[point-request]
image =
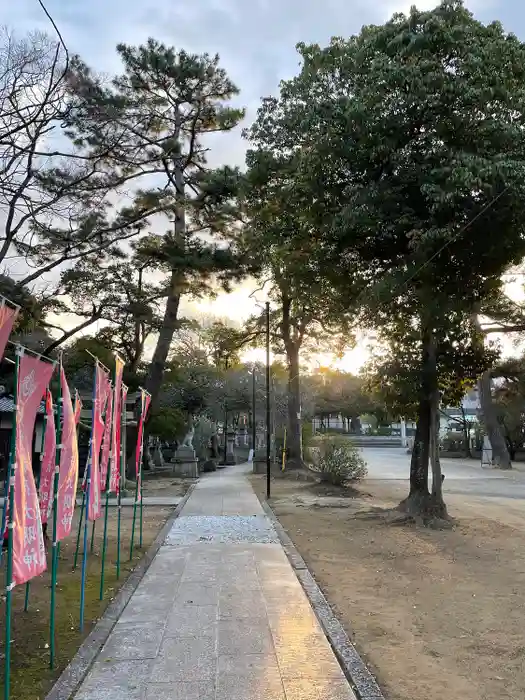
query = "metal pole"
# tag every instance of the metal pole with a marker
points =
(225, 431)
(92, 545)
(86, 511)
(80, 526)
(122, 476)
(268, 415)
(138, 489)
(254, 422)
(54, 548)
(9, 573)
(107, 487)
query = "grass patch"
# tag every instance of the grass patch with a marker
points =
(31, 677)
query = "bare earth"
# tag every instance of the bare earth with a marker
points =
(435, 614)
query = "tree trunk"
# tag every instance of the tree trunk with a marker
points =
(293, 441)
(420, 502)
(489, 417)
(160, 356)
(437, 480)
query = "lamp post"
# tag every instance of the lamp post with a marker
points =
(254, 422)
(268, 413)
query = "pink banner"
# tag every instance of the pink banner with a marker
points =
(101, 382)
(106, 443)
(145, 400)
(47, 469)
(29, 557)
(78, 406)
(7, 319)
(114, 485)
(68, 475)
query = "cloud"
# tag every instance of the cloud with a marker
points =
(256, 40)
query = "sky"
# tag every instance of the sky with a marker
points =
(256, 42)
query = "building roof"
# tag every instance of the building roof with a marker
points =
(7, 404)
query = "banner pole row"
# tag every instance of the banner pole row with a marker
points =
(86, 501)
(54, 548)
(9, 573)
(108, 484)
(122, 457)
(42, 443)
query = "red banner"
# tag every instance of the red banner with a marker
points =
(78, 406)
(29, 557)
(106, 443)
(47, 468)
(68, 475)
(7, 319)
(114, 485)
(97, 430)
(145, 401)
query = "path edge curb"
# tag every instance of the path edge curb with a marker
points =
(363, 682)
(75, 672)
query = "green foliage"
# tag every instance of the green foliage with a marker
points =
(509, 397)
(336, 459)
(394, 370)
(167, 423)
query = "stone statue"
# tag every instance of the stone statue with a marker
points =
(188, 438)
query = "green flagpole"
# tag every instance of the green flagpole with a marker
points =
(122, 476)
(54, 548)
(92, 545)
(9, 572)
(79, 527)
(134, 519)
(44, 426)
(137, 483)
(141, 493)
(106, 511)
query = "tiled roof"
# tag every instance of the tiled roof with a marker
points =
(6, 405)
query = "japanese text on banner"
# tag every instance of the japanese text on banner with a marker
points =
(29, 557)
(68, 475)
(101, 385)
(47, 469)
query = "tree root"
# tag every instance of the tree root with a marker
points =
(395, 516)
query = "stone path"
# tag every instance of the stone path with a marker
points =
(219, 615)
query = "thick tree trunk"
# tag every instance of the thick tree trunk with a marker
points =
(420, 502)
(489, 417)
(166, 333)
(169, 323)
(294, 442)
(158, 362)
(436, 495)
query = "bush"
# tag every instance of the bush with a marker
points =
(337, 460)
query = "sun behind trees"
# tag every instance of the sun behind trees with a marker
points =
(375, 182)
(405, 154)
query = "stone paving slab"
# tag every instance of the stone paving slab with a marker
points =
(220, 614)
(221, 530)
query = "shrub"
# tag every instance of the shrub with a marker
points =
(337, 460)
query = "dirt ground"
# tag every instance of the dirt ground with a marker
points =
(156, 485)
(435, 614)
(31, 677)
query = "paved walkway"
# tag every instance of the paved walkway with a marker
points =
(220, 614)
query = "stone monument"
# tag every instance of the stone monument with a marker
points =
(230, 448)
(158, 457)
(186, 463)
(259, 457)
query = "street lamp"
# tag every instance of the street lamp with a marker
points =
(268, 412)
(254, 406)
(268, 408)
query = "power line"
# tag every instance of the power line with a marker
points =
(453, 239)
